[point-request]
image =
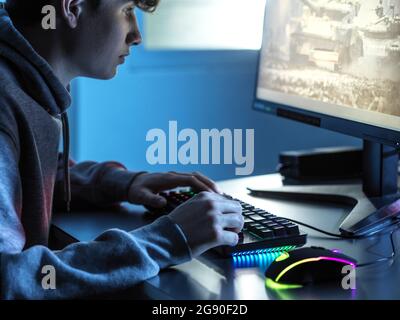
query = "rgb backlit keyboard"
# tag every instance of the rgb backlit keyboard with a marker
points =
(262, 232)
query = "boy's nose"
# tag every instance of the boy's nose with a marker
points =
(134, 36)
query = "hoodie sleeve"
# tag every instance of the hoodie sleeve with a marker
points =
(113, 261)
(93, 184)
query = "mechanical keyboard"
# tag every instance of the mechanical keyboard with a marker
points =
(262, 231)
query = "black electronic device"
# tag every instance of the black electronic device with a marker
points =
(321, 164)
(306, 266)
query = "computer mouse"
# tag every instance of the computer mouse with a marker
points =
(306, 266)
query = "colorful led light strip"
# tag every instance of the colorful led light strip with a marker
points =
(261, 260)
(310, 260)
(260, 251)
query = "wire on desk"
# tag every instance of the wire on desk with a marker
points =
(323, 231)
(358, 237)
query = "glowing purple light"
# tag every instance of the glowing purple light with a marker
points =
(339, 260)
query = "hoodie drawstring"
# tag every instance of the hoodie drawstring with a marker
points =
(67, 179)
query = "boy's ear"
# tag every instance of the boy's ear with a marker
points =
(71, 11)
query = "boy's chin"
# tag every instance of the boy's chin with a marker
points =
(105, 75)
(111, 75)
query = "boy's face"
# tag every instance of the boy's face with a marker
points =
(103, 38)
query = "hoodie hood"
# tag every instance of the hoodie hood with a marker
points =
(41, 83)
(44, 86)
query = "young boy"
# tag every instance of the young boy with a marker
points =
(91, 38)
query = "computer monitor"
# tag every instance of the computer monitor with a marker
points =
(335, 64)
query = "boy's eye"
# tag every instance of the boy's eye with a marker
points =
(129, 10)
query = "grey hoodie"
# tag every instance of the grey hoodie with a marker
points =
(33, 105)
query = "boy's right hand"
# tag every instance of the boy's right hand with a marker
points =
(209, 220)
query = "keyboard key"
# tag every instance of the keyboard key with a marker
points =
(246, 212)
(266, 233)
(252, 225)
(266, 215)
(256, 217)
(293, 229)
(271, 225)
(279, 231)
(259, 232)
(260, 227)
(259, 211)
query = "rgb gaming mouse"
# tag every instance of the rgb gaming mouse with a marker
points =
(304, 266)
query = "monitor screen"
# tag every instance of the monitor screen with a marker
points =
(339, 58)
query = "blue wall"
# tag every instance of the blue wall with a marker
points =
(110, 119)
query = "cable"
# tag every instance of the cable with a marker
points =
(341, 236)
(357, 237)
(323, 231)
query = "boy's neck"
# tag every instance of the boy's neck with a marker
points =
(46, 44)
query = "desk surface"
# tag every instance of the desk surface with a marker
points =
(211, 277)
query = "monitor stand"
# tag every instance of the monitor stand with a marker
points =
(369, 199)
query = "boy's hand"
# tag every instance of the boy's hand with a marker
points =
(145, 187)
(209, 220)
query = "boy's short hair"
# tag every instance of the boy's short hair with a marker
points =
(28, 12)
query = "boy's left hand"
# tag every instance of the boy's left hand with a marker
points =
(145, 187)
